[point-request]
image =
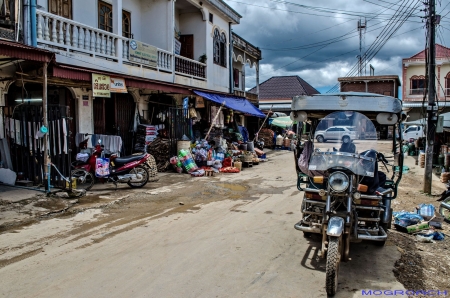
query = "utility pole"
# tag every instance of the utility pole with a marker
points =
(432, 107)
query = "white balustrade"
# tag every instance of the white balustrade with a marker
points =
(57, 32)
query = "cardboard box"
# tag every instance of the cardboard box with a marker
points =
(436, 222)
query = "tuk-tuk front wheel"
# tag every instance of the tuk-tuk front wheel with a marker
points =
(334, 254)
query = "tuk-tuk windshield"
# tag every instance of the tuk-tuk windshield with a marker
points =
(343, 139)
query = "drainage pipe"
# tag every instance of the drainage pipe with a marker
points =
(33, 23)
(26, 22)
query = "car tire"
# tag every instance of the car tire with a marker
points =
(320, 139)
(345, 139)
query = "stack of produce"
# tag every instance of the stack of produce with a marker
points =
(445, 176)
(267, 134)
(160, 149)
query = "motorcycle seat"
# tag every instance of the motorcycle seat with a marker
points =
(127, 159)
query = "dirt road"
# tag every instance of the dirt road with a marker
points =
(225, 236)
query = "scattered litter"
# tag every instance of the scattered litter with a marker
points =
(426, 211)
(425, 238)
(405, 218)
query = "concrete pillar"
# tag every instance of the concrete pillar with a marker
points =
(117, 27)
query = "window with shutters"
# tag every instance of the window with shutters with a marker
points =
(61, 8)
(105, 21)
(220, 49)
(126, 24)
(418, 85)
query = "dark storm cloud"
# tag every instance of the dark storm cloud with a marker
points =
(318, 40)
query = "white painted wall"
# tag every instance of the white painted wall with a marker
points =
(218, 76)
(156, 24)
(134, 7)
(85, 114)
(192, 23)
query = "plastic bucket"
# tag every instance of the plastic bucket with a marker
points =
(243, 146)
(250, 146)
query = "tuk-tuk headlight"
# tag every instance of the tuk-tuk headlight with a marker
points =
(338, 181)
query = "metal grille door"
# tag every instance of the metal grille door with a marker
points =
(180, 125)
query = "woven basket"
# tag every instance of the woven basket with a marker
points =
(183, 145)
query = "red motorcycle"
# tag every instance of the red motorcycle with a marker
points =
(134, 170)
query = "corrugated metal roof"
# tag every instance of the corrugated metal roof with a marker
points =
(83, 74)
(275, 107)
(20, 51)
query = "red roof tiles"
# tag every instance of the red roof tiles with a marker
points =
(441, 52)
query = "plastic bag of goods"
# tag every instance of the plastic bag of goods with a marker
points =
(176, 163)
(405, 219)
(82, 157)
(426, 210)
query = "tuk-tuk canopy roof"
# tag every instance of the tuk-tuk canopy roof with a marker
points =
(369, 104)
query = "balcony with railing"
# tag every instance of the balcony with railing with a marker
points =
(419, 91)
(64, 35)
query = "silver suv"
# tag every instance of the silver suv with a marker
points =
(336, 133)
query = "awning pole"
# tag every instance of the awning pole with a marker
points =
(214, 120)
(267, 116)
(45, 123)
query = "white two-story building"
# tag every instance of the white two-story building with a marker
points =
(155, 52)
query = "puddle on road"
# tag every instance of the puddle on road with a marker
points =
(233, 187)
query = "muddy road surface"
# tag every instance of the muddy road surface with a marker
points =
(226, 236)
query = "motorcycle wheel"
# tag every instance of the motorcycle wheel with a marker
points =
(84, 179)
(139, 170)
(444, 212)
(334, 254)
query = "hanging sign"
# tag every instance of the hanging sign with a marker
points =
(118, 85)
(101, 85)
(143, 53)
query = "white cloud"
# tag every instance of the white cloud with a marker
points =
(291, 38)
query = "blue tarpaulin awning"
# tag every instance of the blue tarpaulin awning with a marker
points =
(233, 102)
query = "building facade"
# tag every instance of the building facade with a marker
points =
(414, 79)
(386, 85)
(157, 53)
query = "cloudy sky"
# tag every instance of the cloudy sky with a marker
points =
(318, 40)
